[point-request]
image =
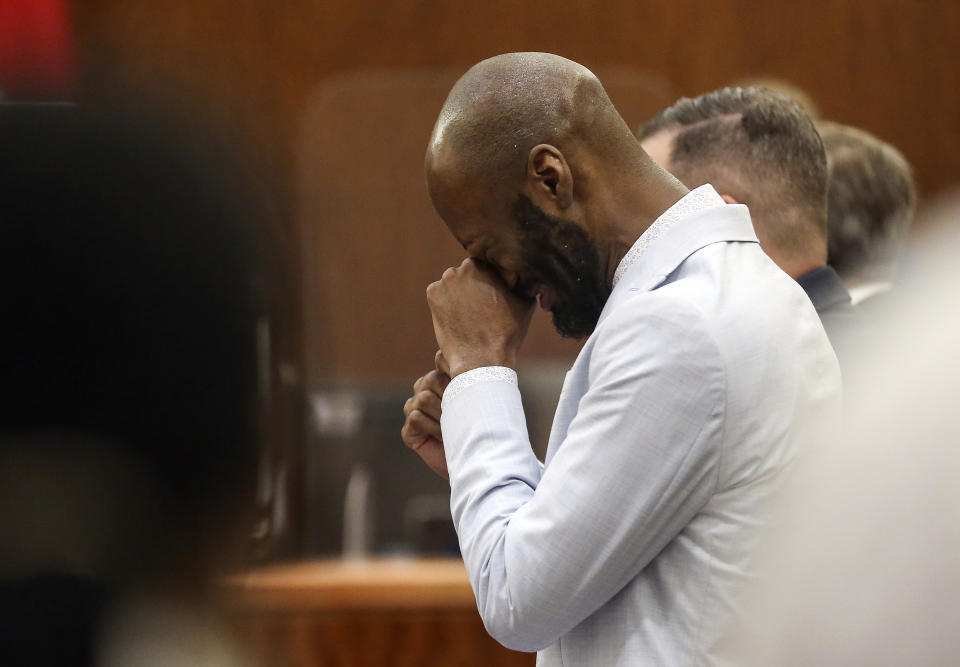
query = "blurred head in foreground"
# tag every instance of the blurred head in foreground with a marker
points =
(127, 366)
(756, 147)
(535, 173)
(870, 204)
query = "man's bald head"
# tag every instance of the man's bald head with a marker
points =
(538, 177)
(506, 105)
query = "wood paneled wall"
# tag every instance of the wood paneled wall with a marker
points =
(248, 72)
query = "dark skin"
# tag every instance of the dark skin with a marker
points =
(478, 322)
(478, 319)
(421, 428)
(482, 308)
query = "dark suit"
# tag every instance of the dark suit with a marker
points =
(845, 325)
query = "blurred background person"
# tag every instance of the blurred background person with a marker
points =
(127, 413)
(788, 88)
(758, 147)
(870, 204)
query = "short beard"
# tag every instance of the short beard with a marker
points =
(561, 254)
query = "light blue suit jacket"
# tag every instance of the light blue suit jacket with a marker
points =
(707, 372)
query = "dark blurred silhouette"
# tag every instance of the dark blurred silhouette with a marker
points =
(127, 366)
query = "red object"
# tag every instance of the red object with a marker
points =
(36, 50)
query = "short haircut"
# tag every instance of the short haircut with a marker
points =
(870, 201)
(760, 147)
(505, 105)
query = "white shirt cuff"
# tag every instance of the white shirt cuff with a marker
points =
(478, 376)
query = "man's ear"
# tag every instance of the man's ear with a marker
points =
(729, 199)
(549, 178)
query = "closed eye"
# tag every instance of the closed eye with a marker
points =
(508, 277)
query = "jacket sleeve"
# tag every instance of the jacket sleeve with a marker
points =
(545, 548)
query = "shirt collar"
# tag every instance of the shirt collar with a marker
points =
(864, 291)
(666, 244)
(693, 202)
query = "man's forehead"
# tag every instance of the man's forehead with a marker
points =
(463, 197)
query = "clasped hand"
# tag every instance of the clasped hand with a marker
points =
(478, 322)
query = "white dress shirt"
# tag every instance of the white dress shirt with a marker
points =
(864, 291)
(629, 544)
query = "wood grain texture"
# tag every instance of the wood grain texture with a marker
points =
(353, 613)
(253, 69)
(353, 585)
(374, 639)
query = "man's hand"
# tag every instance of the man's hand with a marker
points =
(421, 430)
(478, 321)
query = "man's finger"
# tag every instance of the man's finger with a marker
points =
(422, 434)
(419, 426)
(434, 381)
(409, 406)
(433, 290)
(427, 402)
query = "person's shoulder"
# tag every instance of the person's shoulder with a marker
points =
(667, 320)
(659, 337)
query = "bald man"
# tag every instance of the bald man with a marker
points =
(703, 367)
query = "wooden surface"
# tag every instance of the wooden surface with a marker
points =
(342, 585)
(356, 613)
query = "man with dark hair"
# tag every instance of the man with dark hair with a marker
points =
(870, 202)
(758, 147)
(685, 406)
